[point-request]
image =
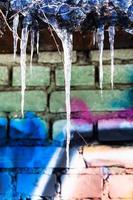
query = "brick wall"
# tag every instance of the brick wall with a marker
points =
(32, 161)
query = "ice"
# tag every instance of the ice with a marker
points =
(100, 40)
(111, 41)
(32, 48)
(23, 47)
(37, 43)
(66, 39)
(15, 36)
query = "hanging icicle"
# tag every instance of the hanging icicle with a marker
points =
(67, 47)
(15, 36)
(37, 43)
(23, 47)
(100, 40)
(111, 41)
(32, 48)
(66, 39)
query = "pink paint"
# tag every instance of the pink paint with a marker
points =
(82, 112)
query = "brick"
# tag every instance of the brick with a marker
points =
(5, 184)
(28, 128)
(38, 185)
(32, 157)
(111, 100)
(54, 57)
(115, 130)
(11, 101)
(121, 186)
(77, 126)
(81, 186)
(40, 76)
(3, 128)
(101, 156)
(81, 75)
(119, 54)
(8, 59)
(39, 157)
(122, 74)
(4, 78)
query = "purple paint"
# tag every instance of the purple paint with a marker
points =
(81, 111)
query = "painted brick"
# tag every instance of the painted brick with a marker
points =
(115, 130)
(8, 59)
(81, 75)
(81, 186)
(33, 128)
(54, 57)
(110, 100)
(40, 76)
(120, 54)
(38, 185)
(4, 76)
(32, 157)
(123, 74)
(11, 101)
(108, 156)
(78, 126)
(48, 157)
(121, 186)
(5, 184)
(3, 128)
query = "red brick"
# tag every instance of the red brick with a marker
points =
(108, 156)
(85, 171)
(81, 186)
(121, 186)
(129, 171)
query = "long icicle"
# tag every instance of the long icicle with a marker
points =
(66, 39)
(111, 41)
(15, 36)
(67, 46)
(32, 48)
(37, 42)
(23, 47)
(100, 40)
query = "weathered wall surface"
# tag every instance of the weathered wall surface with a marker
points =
(32, 160)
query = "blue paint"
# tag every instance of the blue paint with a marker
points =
(79, 128)
(31, 127)
(3, 128)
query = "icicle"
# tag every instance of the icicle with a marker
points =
(15, 36)
(111, 40)
(94, 37)
(67, 46)
(23, 46)
(32, 48)
(37, 43)
(66, 39)
(100, 40)
(129, 31)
